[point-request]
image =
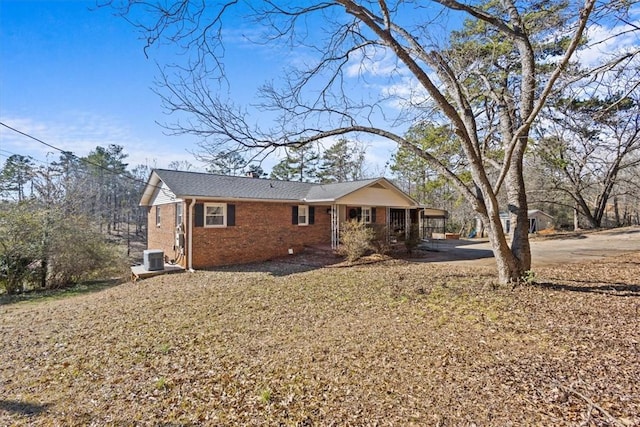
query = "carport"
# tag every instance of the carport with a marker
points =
(432, 221)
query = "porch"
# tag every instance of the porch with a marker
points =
(398, 221)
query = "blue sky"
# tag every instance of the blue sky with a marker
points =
(77, 77)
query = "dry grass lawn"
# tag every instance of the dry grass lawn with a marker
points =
(393, 343)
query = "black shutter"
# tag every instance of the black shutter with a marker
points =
(294, 215)
(312, 214)
(199, 215)
(231, 215)
(373, 215)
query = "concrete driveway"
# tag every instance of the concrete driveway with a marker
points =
(545, 250)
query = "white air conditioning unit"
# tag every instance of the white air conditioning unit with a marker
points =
(153, 259)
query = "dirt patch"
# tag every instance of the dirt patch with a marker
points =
(390, 343)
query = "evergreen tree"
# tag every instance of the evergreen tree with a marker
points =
(17, 172)
(106, 166)
(414, 174)
(256, 171)
(342, 162)
(300, 164)
(227, 163)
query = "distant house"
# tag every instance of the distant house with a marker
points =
(203, 220)
(538, 220)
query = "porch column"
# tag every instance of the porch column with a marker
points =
(387, 223)
(407, 223)
(335, 227)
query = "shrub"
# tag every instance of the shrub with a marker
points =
(413, 239)
(355, 240)
(381, 243)
(78, 252)
(41, 247)
(20, 245)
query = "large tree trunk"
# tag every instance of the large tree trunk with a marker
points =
(509, 270)
(510, 267)
(519, 210)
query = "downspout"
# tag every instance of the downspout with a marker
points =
(190, 255)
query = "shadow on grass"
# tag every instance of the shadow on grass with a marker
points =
(562, 236)
(450, 250)
(625, 230)
(276, 268)
(23, 408)
(42, 295)
(613, 289)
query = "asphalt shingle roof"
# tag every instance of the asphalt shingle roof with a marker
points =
(321, 192)
(210, 185)
(196, 184)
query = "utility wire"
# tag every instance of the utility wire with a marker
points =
(7, 154)
(83, 160)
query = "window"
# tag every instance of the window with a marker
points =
(303, 215)
(157, 216)
(366, 215)
(215, 215)
(178, 214)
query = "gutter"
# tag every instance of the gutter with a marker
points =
(190, 255)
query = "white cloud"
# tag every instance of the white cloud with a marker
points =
(605, 42)
(373, 62)
(81, 132)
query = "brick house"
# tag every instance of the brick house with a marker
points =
(202, 220)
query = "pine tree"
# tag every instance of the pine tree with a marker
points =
(343, 161)
(300, 164)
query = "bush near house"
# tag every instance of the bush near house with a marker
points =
(355, 239)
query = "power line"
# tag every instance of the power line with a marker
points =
(64, 151)
(8, 154)
(81, 159)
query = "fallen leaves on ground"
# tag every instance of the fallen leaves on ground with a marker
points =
(390, 343)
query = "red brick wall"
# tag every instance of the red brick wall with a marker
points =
(163, 237)
(262, 231)
(381, 215)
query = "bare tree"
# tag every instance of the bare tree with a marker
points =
(180, 165)
(587, 146)
(488, 80)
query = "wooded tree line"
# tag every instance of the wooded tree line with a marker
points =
(59, 221)
(342, 161)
